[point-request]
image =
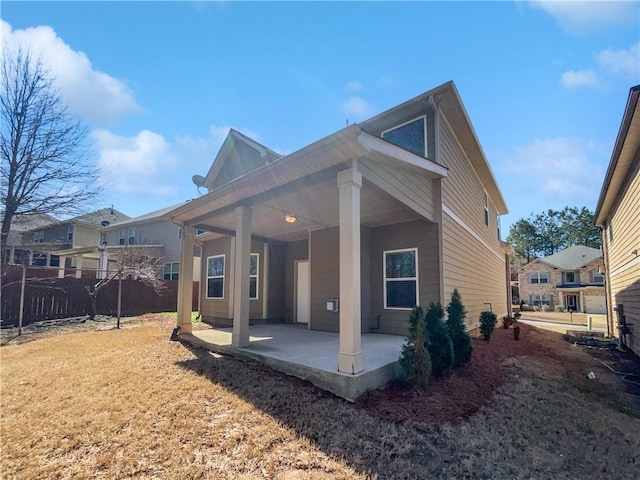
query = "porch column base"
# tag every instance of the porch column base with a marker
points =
(350, 363)
(240, 340)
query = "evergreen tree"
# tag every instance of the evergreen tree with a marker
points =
(438, 340)
(415, 360)
(462, 343)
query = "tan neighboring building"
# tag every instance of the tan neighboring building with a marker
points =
(618, 214)
(571, 278)
(349, 233)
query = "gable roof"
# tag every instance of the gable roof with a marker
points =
(161, 214)
(230, 147)
(623, 159)
(572, 258)
(26, 222)
(96, 218)
(448, 101)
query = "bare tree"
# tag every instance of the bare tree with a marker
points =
(129, 262)
(44, 150)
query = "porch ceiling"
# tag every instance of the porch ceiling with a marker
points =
(315, 206)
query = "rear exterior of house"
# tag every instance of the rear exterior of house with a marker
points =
(421, 238)
(618, 215)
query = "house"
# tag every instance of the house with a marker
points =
(571, 278)
(52, 244)
(155, 234)
(350, 232)
(21, 224)
(618, 215)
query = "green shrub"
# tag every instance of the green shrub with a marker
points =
(438, 340)
(462, 343)
(559, 308)
(487, 324)
(536, 308)
(414, 359)
(545, 308)
(525, 307)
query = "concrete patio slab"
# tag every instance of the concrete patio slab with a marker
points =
(310, 355)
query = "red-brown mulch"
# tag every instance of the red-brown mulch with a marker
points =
(467, 389)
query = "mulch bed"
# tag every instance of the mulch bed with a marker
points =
(466, 390)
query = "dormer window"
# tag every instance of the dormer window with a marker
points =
(411, 136)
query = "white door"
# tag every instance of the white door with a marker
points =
(595, 304)
(302, 292)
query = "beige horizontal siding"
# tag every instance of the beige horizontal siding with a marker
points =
(216, 308)
(626, 226)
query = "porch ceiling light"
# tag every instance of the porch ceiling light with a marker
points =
(290, 218)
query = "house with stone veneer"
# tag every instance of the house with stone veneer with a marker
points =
(571, 278)
(350, 232)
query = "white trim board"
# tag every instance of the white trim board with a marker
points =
(467, 228)
(625, 267)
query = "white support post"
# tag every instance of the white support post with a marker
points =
(185, 279)
(78, 267)
(350, 353)
(240, 335)
(63, 262)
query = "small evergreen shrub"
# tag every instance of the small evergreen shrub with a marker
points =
(559, 308)
(488, 322)
(546, 308)
(462, 343)
(414, 359)
(438, 340)
(536, 308)
(525, 307)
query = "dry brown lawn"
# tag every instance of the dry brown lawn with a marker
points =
(131, 404)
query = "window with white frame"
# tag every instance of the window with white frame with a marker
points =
(70, 232)
(253, 276)
(123, 232)
(215, 276)
(400, 279)
(132, 235)
(570, 277)
(486, 209)
(171, 271)
(597, 277)
(38, 237)
(539, 277)
(540, 299)
(411, 136)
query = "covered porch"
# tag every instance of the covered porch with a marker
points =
(309, 355)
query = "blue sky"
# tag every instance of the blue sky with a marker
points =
(160, 83)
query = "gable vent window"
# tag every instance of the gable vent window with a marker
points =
(410, 136)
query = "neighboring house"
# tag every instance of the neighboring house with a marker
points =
(20, 224)
(618, 214)
(156, 234)
(571, 278)
(348, 233)
(49, 245)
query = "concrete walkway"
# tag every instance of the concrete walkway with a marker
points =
(560, 327)
(311, 355)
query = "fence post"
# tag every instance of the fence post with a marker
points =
(119, 299)
(24, 280)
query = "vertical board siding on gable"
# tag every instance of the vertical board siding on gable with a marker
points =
(239, 162)
(415, 190)
(462, 191)
(625, 284)
(216, 308)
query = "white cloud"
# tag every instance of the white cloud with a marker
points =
(90, 93)
(353, 86)
(580, 78)
(582, 16)
(621, 63)
(558, 169)
(148, 163)
(356, 107)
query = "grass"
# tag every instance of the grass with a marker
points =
(131, 404)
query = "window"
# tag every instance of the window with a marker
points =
(70, 233)
(540, 300)
(54, 261)
(253, 276)
(498, 226)
(132, 235)
(570, 277)
(598, 277)
(39, 260)
(200, 231)
(171, 271)
(38, 237)
(401, 279)
(123, 232)
(410, 136)
(539, 277)
(215, 277)
(103, 238)
(486, 209)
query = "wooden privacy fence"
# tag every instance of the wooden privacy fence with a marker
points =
(52, 298)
